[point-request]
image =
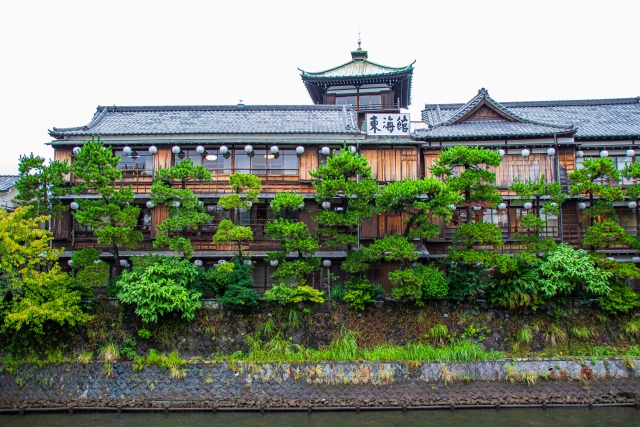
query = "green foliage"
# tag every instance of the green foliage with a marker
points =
(418, 198)
(421, 282)
(91, 272)
(191, 213)
(286, 201)
(128, 350)
(348, 176)
(241, 181)
(228, 232)
(516, 288)
(40, 184)
(599, 178)
(529, 236)
(621, 299)
(534, 190)
(112, 216)
(158, 285)
(479, 234)
(565, 268)
(466, 170)
(466, 280)
(232, 282)
(337, 293)
(295, 272)
(145, 334)
(392, 248)
(36, 293)
(359, 292)
(606, 234)
(284, 294)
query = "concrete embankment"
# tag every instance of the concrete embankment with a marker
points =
(317, 386)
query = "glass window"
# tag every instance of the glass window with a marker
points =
(217, 163)
(370, 101)
(495, 216)
(347, 100)
(264, 163)
(144, 220)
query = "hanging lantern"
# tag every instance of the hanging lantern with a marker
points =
(123, 262)
(247, 262)
(199, 149)
(175, 149)
(150, 204)
(197, 263)
(502, 206)
(248, 149)
(153, 149)
(632, 205)
(610, 258)
(176, 204)
(580, 153)
(477, 208)
(452, 207)
(301, 206)
(274, 262)
(274, 149)
(582, 205)
(76, 150)
(501, 152)
(299, 150)
(222, 262)
(353, 149)
(525, 153)
(326, 263)
(326, 151)
(528, 205)
(223, 150)
(127, 151)
(631, 153)
(75, 206)
(326, 205)
(70, 263)
(553, 203)
(551, 151)
(248, 204)
(635, 259)
(604, 153)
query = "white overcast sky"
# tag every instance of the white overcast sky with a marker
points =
(60, 59)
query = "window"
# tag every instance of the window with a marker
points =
(364, 102)
(495, 216)
(138, 163)
(262, 162)
(144, 220)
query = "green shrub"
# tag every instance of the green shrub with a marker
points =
(620, 299)
(283, 294)
(232, 282)
(516, 288)
(145, 334)
(158, 285)
(359, 292)
(337, 293)
(128, 350)
(91, 272)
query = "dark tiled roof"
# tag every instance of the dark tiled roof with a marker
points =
(601, 118)
(489, 128)
(7, 182)
(252, 119)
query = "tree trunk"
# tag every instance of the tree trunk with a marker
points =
(467, 199)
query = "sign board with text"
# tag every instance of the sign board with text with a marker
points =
(388, 124)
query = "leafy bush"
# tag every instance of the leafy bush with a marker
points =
(480, 233)
(517, 288)
(233, 280)
(359, 292)
(433, 282)
(286, 200)
(337, 293)
(621, 299)
(128, 350)
(466, 281)
(565, 268)
(283, 294)
(145, 334)
(158, 285)
(91, 272)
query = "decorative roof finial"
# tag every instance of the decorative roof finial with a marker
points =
(359, 40)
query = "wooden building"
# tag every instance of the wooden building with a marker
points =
(360, 103)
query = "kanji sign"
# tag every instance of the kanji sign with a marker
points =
(388, 124)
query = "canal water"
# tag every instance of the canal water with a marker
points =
(553, 417)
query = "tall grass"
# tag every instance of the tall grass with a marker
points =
(345, 348)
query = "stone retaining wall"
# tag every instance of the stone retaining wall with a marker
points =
(352, 384)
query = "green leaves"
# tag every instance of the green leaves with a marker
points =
(159, 285)
(481, 234)
(565, 268)
(39, 185)
(286, 201)
(284, 294)
(606, 234)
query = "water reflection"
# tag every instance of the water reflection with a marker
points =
(556, 417)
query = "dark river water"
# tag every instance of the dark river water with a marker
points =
(565, 417)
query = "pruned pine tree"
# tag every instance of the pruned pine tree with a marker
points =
(108, 210)
(185, 210)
